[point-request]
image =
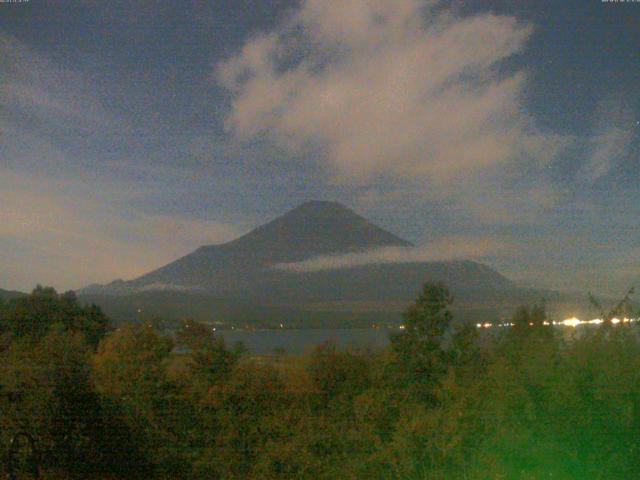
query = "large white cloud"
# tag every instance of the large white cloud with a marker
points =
(401, 89)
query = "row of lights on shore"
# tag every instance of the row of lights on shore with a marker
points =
(569, 322)
(213, 329)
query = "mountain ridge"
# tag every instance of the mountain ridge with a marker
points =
(240, 278)
(7, 295)
(312, 229)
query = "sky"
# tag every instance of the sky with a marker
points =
(132, 132)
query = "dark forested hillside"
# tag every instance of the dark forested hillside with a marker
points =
(10, 294)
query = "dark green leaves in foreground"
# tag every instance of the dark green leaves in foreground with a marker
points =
(531, 402)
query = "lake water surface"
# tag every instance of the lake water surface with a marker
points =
(263, 342)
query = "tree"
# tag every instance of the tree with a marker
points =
(31, 317)
(421, 347)
(48, 393)
(130, 369)
(194, 335)
(336, 373)
(210, 360)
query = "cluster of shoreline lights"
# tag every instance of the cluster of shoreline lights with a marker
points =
(569, 322)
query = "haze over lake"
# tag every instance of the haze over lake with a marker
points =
(269, 342)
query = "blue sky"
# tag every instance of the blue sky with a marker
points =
(133, 132)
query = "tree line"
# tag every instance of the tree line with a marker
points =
(441, 402)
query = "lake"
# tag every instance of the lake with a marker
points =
(295, 341)
(263, 342)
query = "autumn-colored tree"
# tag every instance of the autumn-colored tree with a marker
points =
(336, 373)
(209, 359)
(47, 392)
(531, 401)
(130, 367)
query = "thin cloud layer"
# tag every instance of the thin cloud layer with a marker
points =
(59, 229)
(387, 88)
(36, 91)
(450, 248)
(614, 132)
(69, 238)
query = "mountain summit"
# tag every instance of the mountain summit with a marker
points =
(309, 230)
(312, 229)
(238, 279)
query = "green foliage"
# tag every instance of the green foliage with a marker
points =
(421, 348)
(527, 402)
(31, 317)
(529, 325)
(210, 361)
(130, 368)
(47, 392)
(335, 373)
(131, 363)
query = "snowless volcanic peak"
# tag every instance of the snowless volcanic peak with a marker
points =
(315, 228)
(242, 270)
(312, 229)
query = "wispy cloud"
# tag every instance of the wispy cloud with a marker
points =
(38, 92)
(60, 229)
(449, 248)
(70, 238)
(615, 129)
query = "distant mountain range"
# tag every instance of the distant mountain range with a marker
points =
(10, 295)
(254, 278)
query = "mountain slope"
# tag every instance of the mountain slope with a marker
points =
(10, 295)
(314, 228)
(238, 278)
